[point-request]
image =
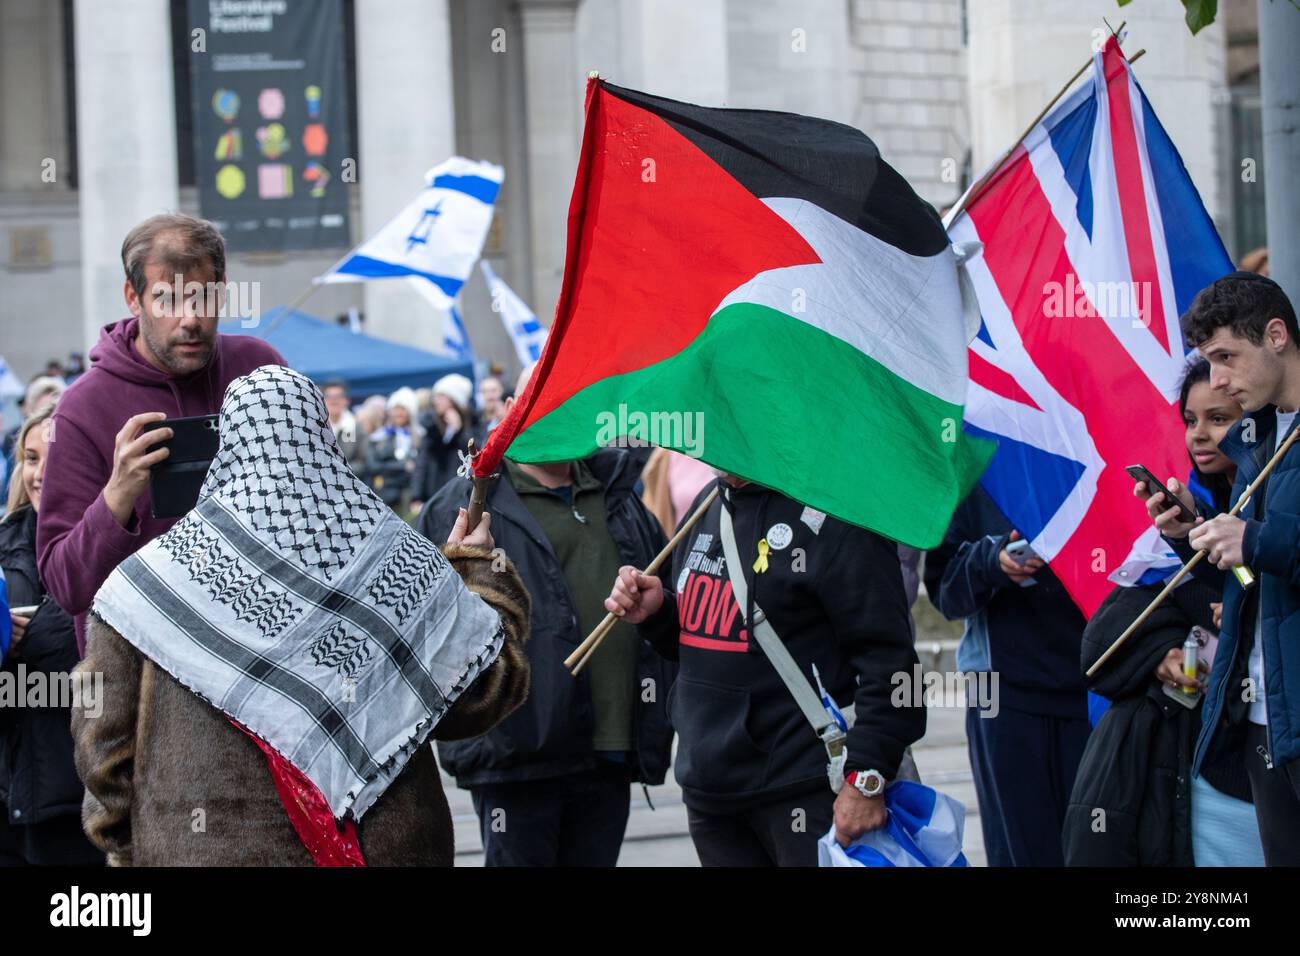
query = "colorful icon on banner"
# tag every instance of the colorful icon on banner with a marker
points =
(273, 140)
(312, 94)
(230, 181)
(315, 139)
(275, 180)
(225, 103)
(230, 145)
(270, 103)
(318, 176)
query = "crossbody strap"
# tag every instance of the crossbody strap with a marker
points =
(786, 668)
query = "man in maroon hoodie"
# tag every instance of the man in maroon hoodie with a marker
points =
(166, 361)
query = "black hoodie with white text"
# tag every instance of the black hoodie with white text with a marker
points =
(834, 595)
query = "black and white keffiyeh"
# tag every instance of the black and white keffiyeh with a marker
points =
(295, 601)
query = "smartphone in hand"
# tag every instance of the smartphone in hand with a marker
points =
(175, 481)
(1154, 484)
(1019, 551)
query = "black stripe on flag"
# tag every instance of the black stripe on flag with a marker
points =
(837, 167)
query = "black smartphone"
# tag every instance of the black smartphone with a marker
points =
(175, 481)
(1154, 484)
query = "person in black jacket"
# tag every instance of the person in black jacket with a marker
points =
(40, 794)
(753, 771)
(1132, 798)
(1135, 801)
(394, 450)
(1022, 635)
(447, 431)
(551, 783)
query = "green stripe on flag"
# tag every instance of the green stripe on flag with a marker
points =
(791, 407)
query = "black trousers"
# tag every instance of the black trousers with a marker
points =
(56, 842)
(1024, 767)
(1276, 793)
(577, 820)
(782, 833)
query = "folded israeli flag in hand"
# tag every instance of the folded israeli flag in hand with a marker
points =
(924, 829)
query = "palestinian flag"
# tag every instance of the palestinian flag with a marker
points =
(760, 290)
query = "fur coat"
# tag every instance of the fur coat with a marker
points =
(171, 782)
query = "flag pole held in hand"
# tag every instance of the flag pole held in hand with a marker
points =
(478, 495)
(1173, 582)
(578, 659)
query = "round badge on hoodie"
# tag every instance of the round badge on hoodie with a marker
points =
(779, 536)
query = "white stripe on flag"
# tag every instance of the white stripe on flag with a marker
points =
(1059, 428)
(903, 311)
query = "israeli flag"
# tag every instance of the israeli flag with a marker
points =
(525, 331)
(438, 236)
(831, 708)
(924, 828)
(455, 341)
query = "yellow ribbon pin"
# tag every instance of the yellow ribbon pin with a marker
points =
(761, 564)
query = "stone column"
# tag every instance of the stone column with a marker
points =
(126, 140)
(406, 123)
(1279, 80)
(32, 108)
(553, 81)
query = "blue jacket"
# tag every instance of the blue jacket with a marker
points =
(1029, 636)
(1271, 548)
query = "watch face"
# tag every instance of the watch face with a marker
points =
(870, 783)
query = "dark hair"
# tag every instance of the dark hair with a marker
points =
(1219, 486)
(190, 243)
(334, 383)
(1243, 302)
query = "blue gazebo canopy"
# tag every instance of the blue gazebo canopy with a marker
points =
(324, 350)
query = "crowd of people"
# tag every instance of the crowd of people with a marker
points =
(407, 445)
(289, 655)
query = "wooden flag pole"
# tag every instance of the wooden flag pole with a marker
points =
(578, 659)
(975, 190)
(1173, 582)
(478, 493)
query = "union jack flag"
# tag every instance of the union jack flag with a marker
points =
(1095, 242)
